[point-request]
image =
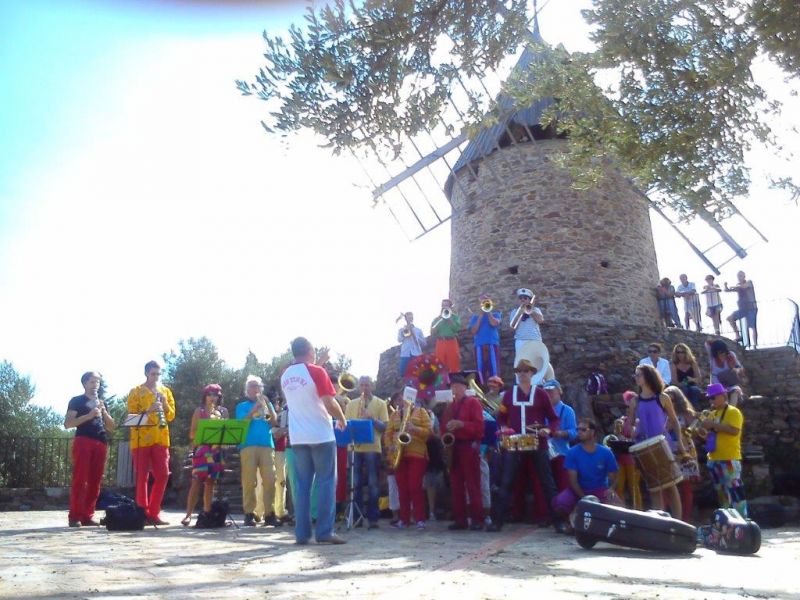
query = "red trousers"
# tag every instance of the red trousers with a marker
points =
(341, 474)
(88, 465)
(465, 478)
(560, 474)
(409, 475)
(447, 351)
(151, 459)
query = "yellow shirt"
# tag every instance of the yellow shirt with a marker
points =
(729, 446)
(419, 440)
(139, 400)
(376, 409)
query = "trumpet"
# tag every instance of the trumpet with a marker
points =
(696, 428)
(446, 313)
(406, 331)
(487, 305)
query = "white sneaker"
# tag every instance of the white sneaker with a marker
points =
(399, 525)
(420, 524)
(487, 520)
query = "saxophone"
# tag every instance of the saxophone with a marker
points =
(403, 437)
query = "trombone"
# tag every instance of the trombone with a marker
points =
(524, 309)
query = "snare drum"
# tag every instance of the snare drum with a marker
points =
(519, 442)
(657, 463)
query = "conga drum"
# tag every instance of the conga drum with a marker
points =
(657, 463)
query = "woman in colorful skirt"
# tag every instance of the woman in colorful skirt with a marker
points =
(207, 463)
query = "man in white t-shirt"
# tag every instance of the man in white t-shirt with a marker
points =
(691, 302)
(310, 397)
(661, 364)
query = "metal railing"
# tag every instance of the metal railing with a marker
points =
(40, 462)
(778, 322)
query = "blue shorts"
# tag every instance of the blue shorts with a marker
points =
(748, 315)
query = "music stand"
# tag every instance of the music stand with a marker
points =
(221, 432)
(358, 431)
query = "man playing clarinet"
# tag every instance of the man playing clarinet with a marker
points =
(463, 419)
(150, 442)
(524, 408)
(88, 414)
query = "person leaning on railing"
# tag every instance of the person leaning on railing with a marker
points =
(88, 414)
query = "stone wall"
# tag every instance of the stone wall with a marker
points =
(577, 349)
(774, 371)
(588, 255)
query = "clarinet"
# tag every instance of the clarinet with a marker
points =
(162, 420)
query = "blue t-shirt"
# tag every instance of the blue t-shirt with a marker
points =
(593, 469)
(260, 432)
(487, 334)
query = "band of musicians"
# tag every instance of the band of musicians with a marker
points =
(491, 451)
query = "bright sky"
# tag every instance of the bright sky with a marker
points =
(141, 202)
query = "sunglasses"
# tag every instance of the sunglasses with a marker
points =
(523, 370)
(680, 351)
(654, 352)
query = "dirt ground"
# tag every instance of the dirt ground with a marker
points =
(42, 558)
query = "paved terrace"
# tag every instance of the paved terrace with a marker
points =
(42, 558)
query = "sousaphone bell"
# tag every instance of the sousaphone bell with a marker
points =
(539, 356)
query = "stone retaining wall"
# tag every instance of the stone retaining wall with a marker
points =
(577, 349)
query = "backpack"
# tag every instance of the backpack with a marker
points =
(216, 517)
(596, 384)
(124, 517)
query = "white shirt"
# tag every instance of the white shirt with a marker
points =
(309, 421)
(689, 302)
(662, 367)
(528, 329)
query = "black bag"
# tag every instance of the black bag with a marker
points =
(651, 530)
(731, 533)
(124, 517)
(106, 499)
(216, 517)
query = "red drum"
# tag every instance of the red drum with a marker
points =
(657, 463)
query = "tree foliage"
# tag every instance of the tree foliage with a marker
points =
(668, 95)
(17, 415)
(196, 363)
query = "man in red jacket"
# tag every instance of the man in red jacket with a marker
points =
(464, 419)
(525, 406)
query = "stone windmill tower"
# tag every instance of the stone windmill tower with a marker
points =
(517, 220)
(587, 255)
